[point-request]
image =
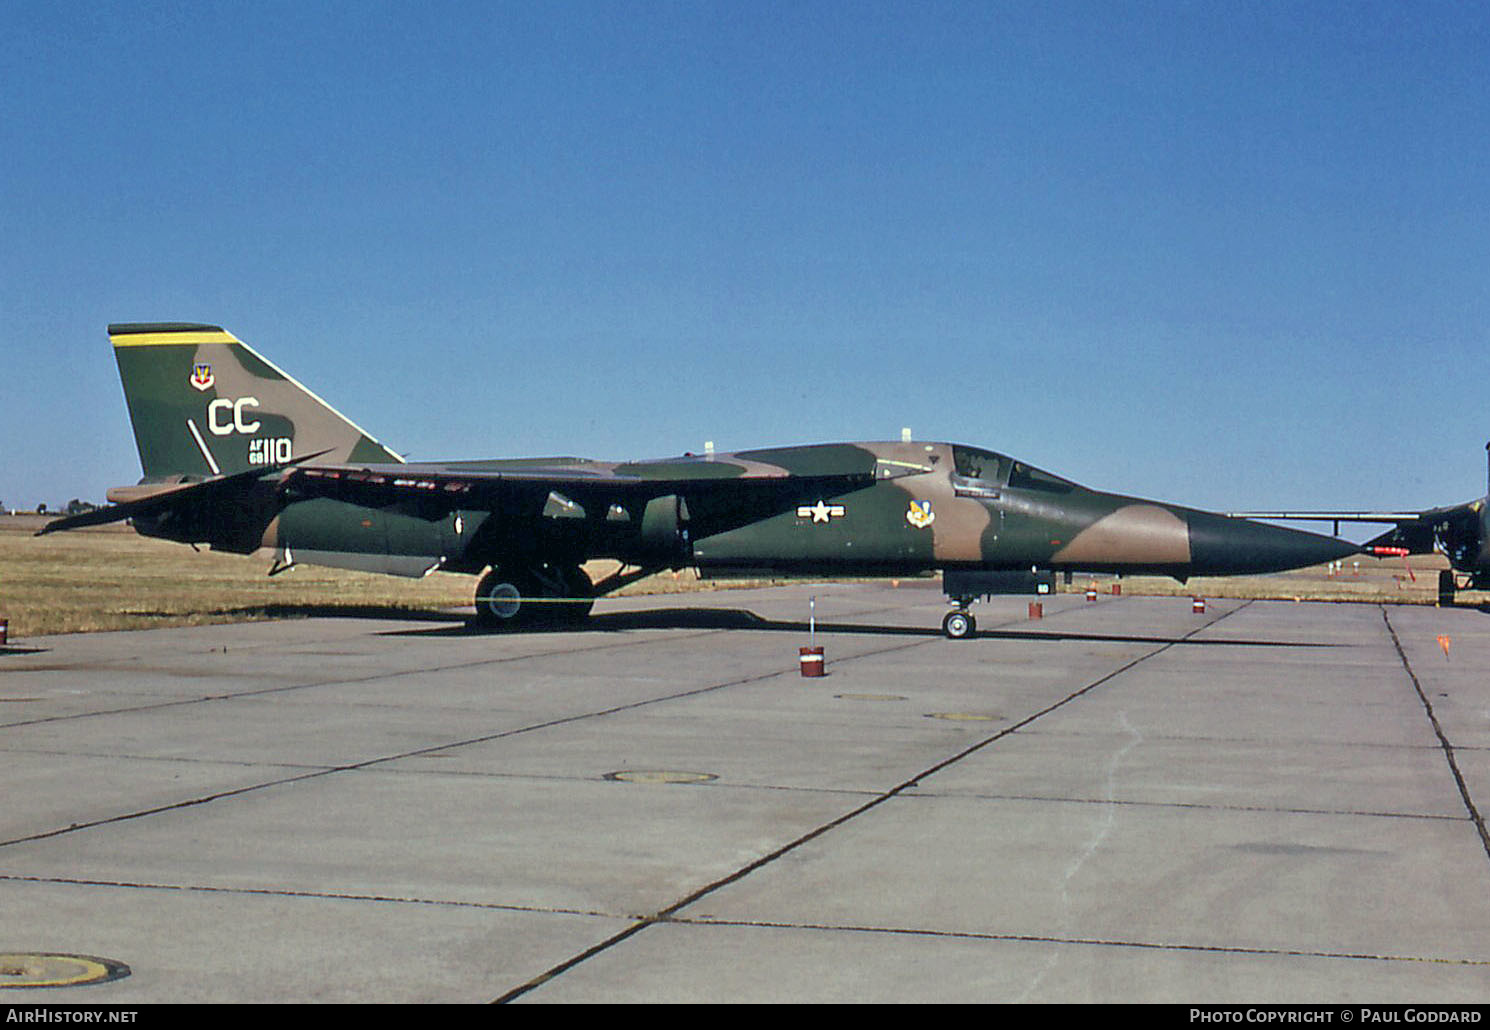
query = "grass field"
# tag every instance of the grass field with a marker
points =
(110, 578)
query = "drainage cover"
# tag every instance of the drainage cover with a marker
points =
(659, 776)
(21, 970)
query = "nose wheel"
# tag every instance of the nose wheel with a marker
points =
(959, 624)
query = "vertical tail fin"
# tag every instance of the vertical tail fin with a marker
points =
(203, 403)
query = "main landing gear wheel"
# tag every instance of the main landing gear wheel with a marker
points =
(520, 598)
(504, 599)
(1446, 588)
(959, 625)
(578, 598)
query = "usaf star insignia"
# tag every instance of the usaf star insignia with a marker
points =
(920, 514)
(820, 512)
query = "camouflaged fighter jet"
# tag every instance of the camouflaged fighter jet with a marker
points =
(239, 456)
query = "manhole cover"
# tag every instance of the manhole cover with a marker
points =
(21, 970)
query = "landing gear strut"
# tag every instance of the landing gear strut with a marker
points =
(516, 597)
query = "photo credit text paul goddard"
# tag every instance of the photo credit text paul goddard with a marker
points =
(1365, 1015)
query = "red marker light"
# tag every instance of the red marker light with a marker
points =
(1400, 552)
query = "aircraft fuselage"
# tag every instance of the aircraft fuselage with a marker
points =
(909, 507)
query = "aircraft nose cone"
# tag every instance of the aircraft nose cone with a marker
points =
(1222, 546)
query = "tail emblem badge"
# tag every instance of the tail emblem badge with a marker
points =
(920, 514)
(201, 376)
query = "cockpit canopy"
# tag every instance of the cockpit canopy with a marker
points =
(1000, 470)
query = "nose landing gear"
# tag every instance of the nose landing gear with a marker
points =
(959, 624)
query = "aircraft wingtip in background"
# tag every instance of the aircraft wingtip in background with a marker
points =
(1460, 532)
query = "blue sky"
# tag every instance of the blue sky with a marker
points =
(1234, 255)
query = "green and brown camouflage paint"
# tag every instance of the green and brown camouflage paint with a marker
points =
(207, 411)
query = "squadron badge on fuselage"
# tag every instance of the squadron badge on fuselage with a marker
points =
(201, 376)
(920, 514)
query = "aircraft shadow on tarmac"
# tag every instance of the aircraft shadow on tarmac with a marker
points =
(388, 612)
(457, 624)
(259, 612)
(740, 618)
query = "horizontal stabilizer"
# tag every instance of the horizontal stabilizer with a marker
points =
(167, 496)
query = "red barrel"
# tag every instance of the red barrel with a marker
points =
(4, 630)
(1037, 610)
(1117, 589)
(1197, 605)
(812, 661)
(1091, 593)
